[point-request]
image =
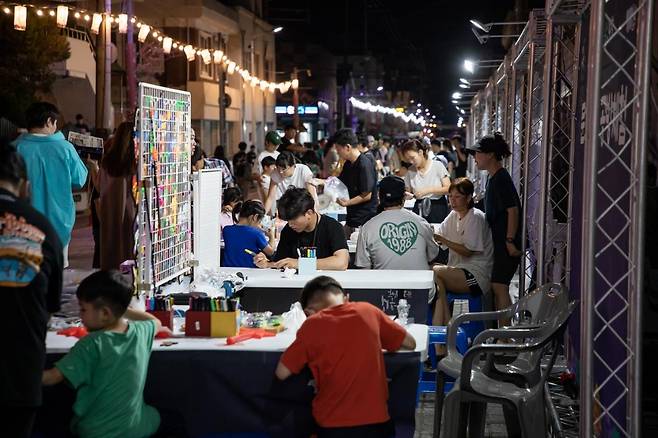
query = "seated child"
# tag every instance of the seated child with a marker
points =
(342, 342)
(108, 366)
(231, 198)
(246, 238)
(269, 165)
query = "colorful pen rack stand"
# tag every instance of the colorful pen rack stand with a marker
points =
(166, 317)
(162, 308)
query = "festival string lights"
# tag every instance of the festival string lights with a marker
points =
(367, 106)
(63, 14)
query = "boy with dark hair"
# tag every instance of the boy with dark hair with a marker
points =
(306, 228)
(341, 342)
(54, 168)
(31, 286)
(268, 164)
(108, 366)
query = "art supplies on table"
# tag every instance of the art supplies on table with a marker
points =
(212, 317)
(249, 333)
(162, 308)
(307, 263)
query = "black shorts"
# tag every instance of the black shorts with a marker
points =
(504, 267)
(379, 430)
(472, 283)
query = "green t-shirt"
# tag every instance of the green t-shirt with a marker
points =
(109, 371)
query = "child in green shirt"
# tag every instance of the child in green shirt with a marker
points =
(108, 366)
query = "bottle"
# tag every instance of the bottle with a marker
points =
(403, 311)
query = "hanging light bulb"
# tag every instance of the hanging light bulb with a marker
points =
(132, 20)
(231, 67)
(166, 45)
(295, 84)
(123, 23)
(143, 33)
(264, 85)
(189, 52)
(272, 87)
(254, 81)
(96, 21)
(51, 13)
(39, 12)
(77, 15)
(154, 34)
(87, 17)
(175, 45)
(217, 56)
(20, 17)
(205, 55)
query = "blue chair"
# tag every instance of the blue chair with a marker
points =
(438, 335)
(472, 328)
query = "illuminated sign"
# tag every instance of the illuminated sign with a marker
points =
(281, 109)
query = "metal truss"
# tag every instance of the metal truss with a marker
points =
(555, 209)
(618, 90)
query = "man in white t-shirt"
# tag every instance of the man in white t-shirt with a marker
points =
(272, 141)
(289, 174)
(396, 238)
(466, 233)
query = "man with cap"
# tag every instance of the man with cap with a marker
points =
(396, 238)
(503, 212)
(360, 177)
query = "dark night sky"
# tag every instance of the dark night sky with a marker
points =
(426, 40)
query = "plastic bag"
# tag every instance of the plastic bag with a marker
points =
(335, 188)
(294, 318)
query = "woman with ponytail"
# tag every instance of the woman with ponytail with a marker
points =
(246, 238)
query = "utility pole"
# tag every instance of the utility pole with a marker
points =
(131, 67)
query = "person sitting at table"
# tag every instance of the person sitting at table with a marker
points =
(306, 228)
(246, 238)
(288, 174)
(108, 366)
(342, 342)
(466, 233)
(396, 238)
(231, 199)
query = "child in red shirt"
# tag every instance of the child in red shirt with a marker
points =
(342, 344)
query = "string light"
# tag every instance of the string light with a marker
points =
(96, 21)
(123, 23)
(367, 106)
(20, 17)
(166, 45)
(217, 56)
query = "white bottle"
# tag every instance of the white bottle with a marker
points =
(403, 311)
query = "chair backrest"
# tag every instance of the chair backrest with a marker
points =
(542, 304)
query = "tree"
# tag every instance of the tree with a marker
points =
(25, 62)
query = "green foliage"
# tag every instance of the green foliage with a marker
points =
(25, 62)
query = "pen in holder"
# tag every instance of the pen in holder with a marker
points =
(307, 263)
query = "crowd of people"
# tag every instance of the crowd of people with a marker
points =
(279, 185)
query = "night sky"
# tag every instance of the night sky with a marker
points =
(426, 41)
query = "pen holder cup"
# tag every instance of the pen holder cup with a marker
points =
(166, 317)
(197, 323)
(224, 324)
(307, 265)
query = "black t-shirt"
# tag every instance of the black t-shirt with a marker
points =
(328, 237)
(462, 165)
(501, 195)
(360, 177)
(30, 286)
(285, 142)
(240, 164)
(447, 155)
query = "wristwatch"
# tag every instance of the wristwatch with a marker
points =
(509, 240)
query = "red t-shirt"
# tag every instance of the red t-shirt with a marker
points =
(343, 346)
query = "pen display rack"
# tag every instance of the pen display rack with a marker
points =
(162, 308)
(163, 148)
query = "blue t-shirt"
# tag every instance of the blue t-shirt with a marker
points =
(237, 238)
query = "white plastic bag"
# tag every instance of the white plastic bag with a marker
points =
(335, 188)
(294, 318)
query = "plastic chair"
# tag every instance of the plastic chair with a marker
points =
(528, 401)
(531, 310)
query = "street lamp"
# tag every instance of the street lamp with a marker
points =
(277, 29)
(470, 65)
(380, 88)
(486, 27)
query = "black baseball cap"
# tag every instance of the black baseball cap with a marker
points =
(491, 143)
(391, 188)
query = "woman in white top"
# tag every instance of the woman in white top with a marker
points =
(428, 180)
(288, 174)
(466, 233)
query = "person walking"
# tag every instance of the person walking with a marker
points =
(54, 168)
